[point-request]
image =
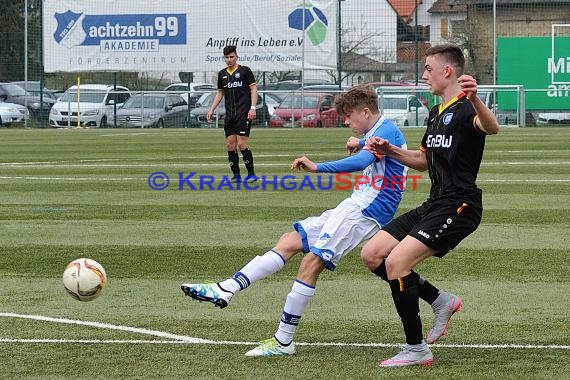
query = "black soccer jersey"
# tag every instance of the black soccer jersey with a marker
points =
(236, 85)
(454, 148)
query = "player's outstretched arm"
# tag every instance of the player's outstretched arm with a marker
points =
(415, 159)
(303, 163)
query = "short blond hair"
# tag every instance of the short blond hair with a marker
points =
(358, 97)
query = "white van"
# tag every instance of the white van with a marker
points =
(194, 89)
(94, 105)
(404, 110)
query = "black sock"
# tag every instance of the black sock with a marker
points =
(406, 300)
(233, 158)
(248, 161)
(426, 291)
(381, 271)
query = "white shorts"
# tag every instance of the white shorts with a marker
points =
(336, 232)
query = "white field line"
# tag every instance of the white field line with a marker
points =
(108, 326)
(101, 164)
(524, 180)
(63, 163)
(525, 163)
(179, 164)
(185, 131)
(75, 179)
(182, 339)
(196, 179)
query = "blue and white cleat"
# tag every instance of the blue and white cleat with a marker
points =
(209, 293)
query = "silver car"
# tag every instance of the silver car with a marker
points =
(554, 118)
(153, 111)
(13, 113)
(405, 110)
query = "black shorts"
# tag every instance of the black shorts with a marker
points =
(237, 124)
(440, 224)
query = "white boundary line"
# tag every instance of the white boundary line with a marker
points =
(182, 339)
(108, 326)
(149, 163)
(546, 181)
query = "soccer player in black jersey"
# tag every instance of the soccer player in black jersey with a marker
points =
(451, 150)
(237, 84)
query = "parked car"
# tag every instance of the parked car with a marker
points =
(333, 88)
(33, 87)
(198, 114)
(12, 113)
(195, 90)
(504, 117)
(290, 85)
(12, 93)
(194, 97)
(555, 118)
(308, 109)
(94, 105)
(153, 110)
(282, 88)
(421, 90)
(404, 110)
(271, 100)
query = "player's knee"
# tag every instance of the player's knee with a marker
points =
(242, 146)
(289, 244)
(287, 237)
(371, 256)
(396, 268)
(365, 256)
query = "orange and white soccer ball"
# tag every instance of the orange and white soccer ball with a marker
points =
(84, 279)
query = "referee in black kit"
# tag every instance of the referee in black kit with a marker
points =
(237, 83)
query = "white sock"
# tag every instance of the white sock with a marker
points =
(295, 305)
(258, 268)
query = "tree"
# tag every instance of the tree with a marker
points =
(356, 42)
(11, 40)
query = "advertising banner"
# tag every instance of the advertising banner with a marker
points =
(533, 63)
(165, 35)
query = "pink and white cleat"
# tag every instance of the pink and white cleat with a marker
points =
(418, 354)
(445, 305)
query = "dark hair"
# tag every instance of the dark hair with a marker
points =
(229, 49)
(451, 53)
(358, 97)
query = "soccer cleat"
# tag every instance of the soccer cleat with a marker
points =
(445, 305)
(271, 347)
(235, 179)
(419, 354)
(251, 178)
(209, 293)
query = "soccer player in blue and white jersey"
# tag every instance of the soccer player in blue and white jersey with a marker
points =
(327, 238)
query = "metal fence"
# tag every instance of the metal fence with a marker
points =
(507, 42)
